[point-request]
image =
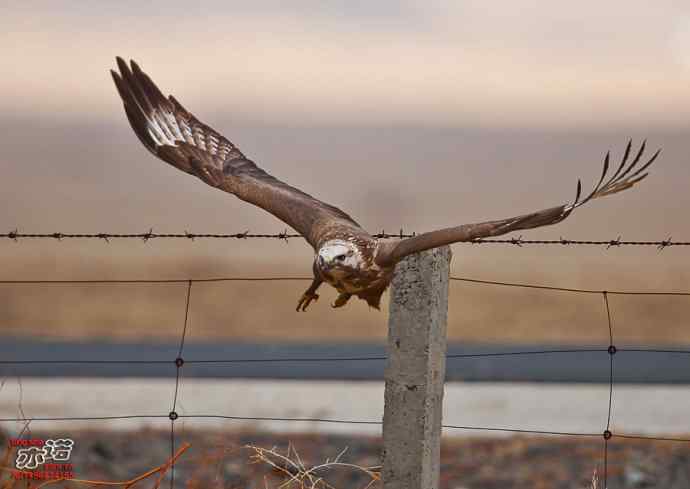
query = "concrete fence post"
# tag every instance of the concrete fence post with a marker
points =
(415, 371)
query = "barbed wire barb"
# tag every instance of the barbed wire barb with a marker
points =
(284, 236)
(146, 237)
(614, 242)
(665, 244)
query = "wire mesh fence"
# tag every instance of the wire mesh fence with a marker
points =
(605, 433)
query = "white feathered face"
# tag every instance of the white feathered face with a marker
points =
(338, 258)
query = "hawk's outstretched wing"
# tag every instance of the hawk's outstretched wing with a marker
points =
(624, 177)
(179, 138)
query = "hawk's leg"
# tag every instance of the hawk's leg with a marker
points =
(310, 294)
(341, 300)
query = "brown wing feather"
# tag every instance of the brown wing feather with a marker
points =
(173, 134)
(388, 253)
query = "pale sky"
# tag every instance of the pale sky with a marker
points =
(481, 63)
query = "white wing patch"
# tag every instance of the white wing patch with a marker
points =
(167, 129)
(164, 128)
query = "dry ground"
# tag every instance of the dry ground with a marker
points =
(219, 460)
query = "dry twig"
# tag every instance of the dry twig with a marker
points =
(296, 472)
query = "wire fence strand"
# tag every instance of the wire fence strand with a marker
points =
(306, 279)
(607, 433)
(16, 236)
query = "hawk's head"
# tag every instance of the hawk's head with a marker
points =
(339, 259)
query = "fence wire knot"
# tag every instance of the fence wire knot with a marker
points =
(665, 243)
(614, 242)
(516, 241)
(148, 236)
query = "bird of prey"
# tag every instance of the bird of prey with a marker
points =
(346, 256)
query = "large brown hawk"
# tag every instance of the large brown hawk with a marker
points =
(346, 256)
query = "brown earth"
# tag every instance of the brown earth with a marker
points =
(220, 460)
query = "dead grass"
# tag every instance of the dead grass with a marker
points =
(286, 471)
(297, 475)
(241, 459)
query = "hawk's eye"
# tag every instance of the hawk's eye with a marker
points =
(340, 257)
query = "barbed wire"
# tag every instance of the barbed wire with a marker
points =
(15, 235)
(179, 361)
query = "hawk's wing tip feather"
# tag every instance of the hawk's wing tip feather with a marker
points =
(122, 66)
(626, 153)
(136, 69)
(605, 170)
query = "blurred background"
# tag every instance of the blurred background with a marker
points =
(406, 114)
